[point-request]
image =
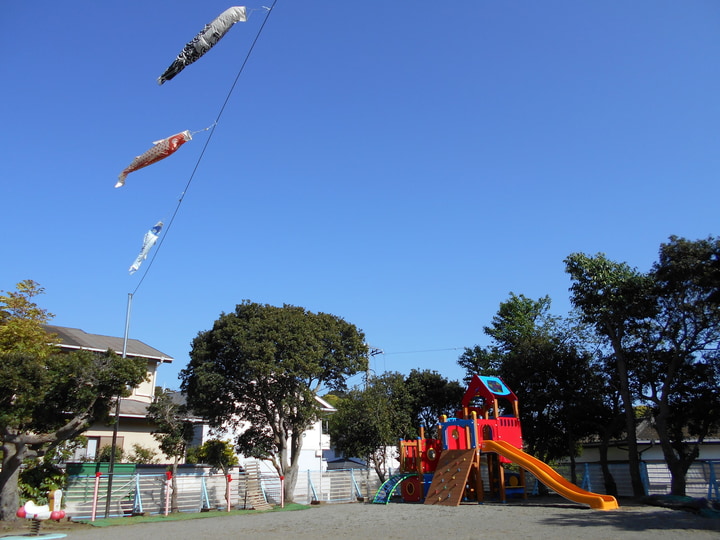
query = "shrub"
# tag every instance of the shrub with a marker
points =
(103, 455)
(142, 455)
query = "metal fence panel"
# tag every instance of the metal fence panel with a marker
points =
(337, 486)
(146, 492)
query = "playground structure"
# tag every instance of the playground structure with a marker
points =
(448, 470)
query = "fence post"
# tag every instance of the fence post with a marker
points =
(227, 491)
(205, 503)
(311, 486)
(137, 502)
(95, 495)
(358, 491)
(282, 492)
(586, 484)
(712, 482)
(168, 487)
(644, 477)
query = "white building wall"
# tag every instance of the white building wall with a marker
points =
(311, 455)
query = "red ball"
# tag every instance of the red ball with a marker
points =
(21, 513)
(57, 515)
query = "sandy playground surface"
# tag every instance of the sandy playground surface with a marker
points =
(362, 521)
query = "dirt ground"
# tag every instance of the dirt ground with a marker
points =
(362, 521)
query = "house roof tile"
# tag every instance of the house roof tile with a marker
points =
(74, 338)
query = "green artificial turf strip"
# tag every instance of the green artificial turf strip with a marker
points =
(178, 516)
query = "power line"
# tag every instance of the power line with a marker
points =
(205, 146)
(425, 350)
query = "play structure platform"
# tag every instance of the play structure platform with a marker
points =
(449, 470)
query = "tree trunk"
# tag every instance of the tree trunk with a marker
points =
(174, 494)
(9, 497)
(610, 485)
(627, 401)
(377, 463)
(290, 466)
(678, 462)
(678, 481)
(573, 470)
(571, 453)
(17, 447)
(291, 476)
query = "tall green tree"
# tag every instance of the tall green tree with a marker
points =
(678, 375)
(519, 320)
(173, 431)
(615, 299)
(609, 419)
(46, 396)
(432, 395)
(664, 330)
(261, 366)
(552, 376)
(370, 420)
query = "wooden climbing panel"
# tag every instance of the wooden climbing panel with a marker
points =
(450, 478)
(254, 497)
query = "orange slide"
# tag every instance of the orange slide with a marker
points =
(548, 476)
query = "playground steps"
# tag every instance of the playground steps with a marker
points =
(450, 478)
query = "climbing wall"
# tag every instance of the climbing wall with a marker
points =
(450, 478)
(254, 497)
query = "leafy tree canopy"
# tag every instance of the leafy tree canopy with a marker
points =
(369, 420)
(173, 430)
(47, 396)
(663, 328)
(21, 321)
(261, 366)
(216, 453)
(533, 353)
(432, 395)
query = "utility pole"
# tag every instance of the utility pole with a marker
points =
(111, 466)
(372, 352)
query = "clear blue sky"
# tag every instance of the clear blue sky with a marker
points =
(403, 165)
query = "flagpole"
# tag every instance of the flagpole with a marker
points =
(111, 466)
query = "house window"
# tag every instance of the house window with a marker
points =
(93, 445)
(107, 442)
(89, 452)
